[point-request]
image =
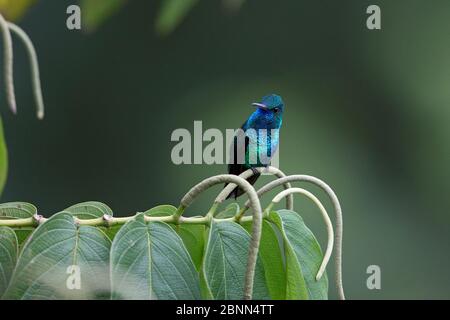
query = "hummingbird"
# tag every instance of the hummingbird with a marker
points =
(256, 142)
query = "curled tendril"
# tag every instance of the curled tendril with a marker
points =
(325, 217)
(8, 67)
(247, 174)
(337, 210)
(6, 28)
(256, 225)
(36, 81)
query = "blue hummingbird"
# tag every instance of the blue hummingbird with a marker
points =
(255, 144)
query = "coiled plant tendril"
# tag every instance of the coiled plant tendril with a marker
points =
(337, 210)
(6, 28)
(247, 174)
(325, 217)
(257, 219)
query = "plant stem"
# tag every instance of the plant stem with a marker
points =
(249, 173)
(18, 223)
(213, 209)
(198, 220)
(113, 221)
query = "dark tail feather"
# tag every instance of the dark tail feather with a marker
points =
(238, 191)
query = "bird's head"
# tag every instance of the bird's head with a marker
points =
(271, 106)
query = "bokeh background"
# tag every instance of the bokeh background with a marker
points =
(366, 111)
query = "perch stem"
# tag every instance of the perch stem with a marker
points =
(249, 173)
(113, 221)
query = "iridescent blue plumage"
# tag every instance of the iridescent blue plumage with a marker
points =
(261, 138)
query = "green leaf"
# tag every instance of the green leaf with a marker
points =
(225, 263)
(161, 211)
(111, 231)
(193, 236)
(3, 159)
(149, 261)
(204, 288)
(303, 257)
(23, 234)
(8, 256)
(96, 12)
(89, 210)
(171, 14)
(47, 265)
(271, 254)
(17, 210)
(230, 211)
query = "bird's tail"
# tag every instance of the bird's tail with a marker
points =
(238, 191)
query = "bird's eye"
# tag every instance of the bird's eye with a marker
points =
(275, 110)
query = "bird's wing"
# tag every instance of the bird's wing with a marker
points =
(235, 167)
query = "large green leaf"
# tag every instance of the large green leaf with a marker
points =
(95, 12)
(55, 252)
(271, 254)
(8, 256)
(225, 263)
(303, 257)
(89, 210)
(149, 261)
(172, 13)
(193, 236)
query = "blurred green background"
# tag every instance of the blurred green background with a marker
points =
(366, 111)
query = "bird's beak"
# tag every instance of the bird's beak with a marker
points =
(260, 105)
